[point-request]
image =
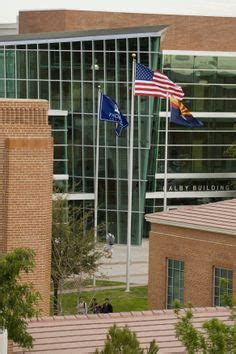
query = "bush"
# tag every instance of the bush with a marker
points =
(123, 341)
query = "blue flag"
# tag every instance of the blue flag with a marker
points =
(181, 115)
(110, 112)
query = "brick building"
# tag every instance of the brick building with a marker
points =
(26, 157)
(63, 55)
(203, 33)
(190, 251)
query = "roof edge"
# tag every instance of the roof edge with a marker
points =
(134, 314)
(118, 32)
(180, 12)
(151, 218)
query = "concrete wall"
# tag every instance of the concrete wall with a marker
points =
(7, 29)
(26, 161)
(200, 251)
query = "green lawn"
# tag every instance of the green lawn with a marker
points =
(122, 301)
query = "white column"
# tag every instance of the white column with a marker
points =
(3, 341)
(130, 178)
(96, 177)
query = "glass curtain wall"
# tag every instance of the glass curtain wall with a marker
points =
(201, 161)
(68, 74)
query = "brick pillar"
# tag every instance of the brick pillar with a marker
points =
(26, 162)
(10, 347)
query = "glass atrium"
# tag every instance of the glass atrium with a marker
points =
(67, 72)
(201, 165)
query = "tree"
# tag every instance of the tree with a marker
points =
(215, 337)
(231, 150)
(123, 341)
(74, 251)
(18, 300)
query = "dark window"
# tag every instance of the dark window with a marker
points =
(175, 281)
(223, 281)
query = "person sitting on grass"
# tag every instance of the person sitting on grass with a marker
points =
(94, 306)
(107, 306)
(82, 307)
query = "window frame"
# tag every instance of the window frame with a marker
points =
(229, 287)
(181, 269)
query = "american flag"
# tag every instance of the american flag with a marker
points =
(153, 83)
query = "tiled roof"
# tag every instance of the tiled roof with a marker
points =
(83, 334)
(215, 217)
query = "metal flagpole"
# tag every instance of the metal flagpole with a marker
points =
(166, 153)
(130, 178)
(96, 177)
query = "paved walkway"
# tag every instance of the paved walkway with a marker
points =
(115, 268)
(98, 288)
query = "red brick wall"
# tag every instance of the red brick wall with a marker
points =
(184, 32)
(200, 251)
(26, 158)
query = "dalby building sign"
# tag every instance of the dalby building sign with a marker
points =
(200, 188)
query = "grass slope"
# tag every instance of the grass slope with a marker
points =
(122, 301)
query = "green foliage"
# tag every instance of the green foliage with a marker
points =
(153, 348)
(18, 300)
(177, 306)
(220, 338)
(231, 150)
(74, 252)
(191, 338)
(123, 341)
(216, 337)
(226, 297)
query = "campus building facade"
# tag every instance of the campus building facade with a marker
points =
(80, 50)
(192, 255)
(201, 161)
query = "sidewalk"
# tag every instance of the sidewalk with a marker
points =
(115, 268)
